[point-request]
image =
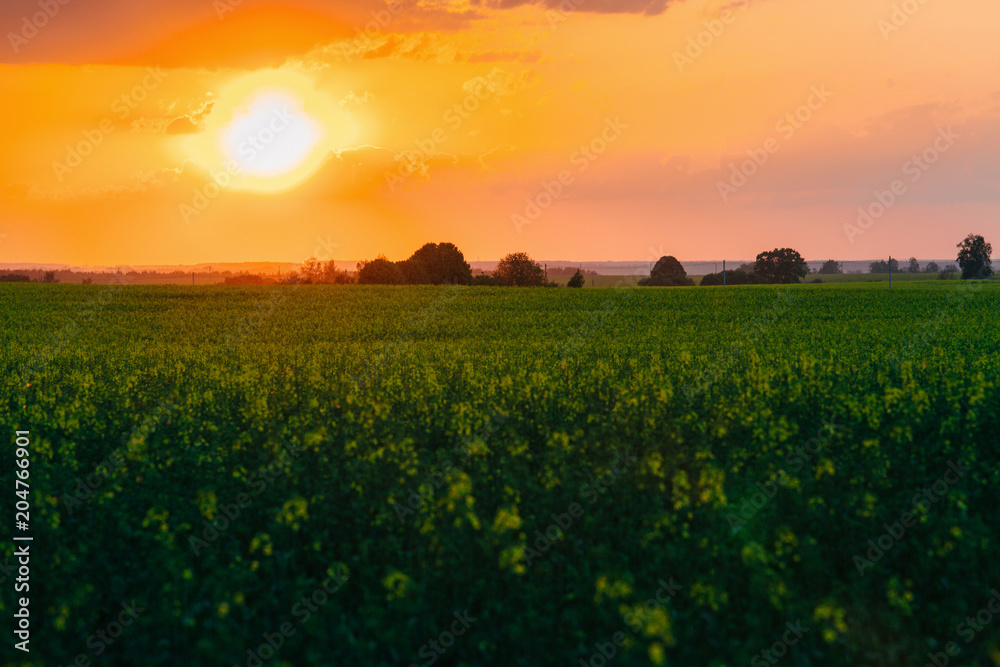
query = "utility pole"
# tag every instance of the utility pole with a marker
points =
(723, 273)
(890, 271)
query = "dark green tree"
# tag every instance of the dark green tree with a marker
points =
(882, 266)
(667, 272)
(831, 267)
(974, 258)
(781, 266)
(519, 270)
(577, 280)
(931, 267)
(380, 271)
(913, 266)
(436, 264)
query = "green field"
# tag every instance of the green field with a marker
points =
(382, 466)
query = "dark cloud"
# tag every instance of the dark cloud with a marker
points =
(647, 7)
(149, 32)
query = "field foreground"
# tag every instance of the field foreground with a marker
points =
(299, 476)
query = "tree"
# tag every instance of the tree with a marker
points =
(519, 270)
(49, 277)
(577, 280)
(882, 266)
(781, 266)
(414, 272)
(746, 267)
(333, 276)
(312, 271)
(974, 257)
(932, 267)
(831, 267)
(913, 266)
(950, 268)
(380, 271)
(667, 272)
(436, 264)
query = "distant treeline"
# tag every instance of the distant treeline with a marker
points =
(444, 264)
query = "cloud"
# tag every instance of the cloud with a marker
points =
(416, 46)
(495, 56)
(188, 123)
(178, 33)
(645, 7)
(352, 99)
(501, 82)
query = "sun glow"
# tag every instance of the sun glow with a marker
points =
(269, 132)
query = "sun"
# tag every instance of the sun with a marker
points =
(269, 132)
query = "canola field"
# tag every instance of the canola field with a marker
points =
(799, 475)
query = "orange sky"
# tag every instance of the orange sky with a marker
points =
(578, 130)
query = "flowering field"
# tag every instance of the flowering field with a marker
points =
(798, 475)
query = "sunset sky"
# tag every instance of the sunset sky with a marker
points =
(184, 131)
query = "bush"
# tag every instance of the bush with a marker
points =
(668, 272)
(735, 277)
(577, 280)
(380, 271)
(486, 280)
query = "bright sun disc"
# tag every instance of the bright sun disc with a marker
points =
(273, 137)
(269, 132)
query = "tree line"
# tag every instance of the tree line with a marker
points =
(783, 266)
(433, 264)
(444, 263)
